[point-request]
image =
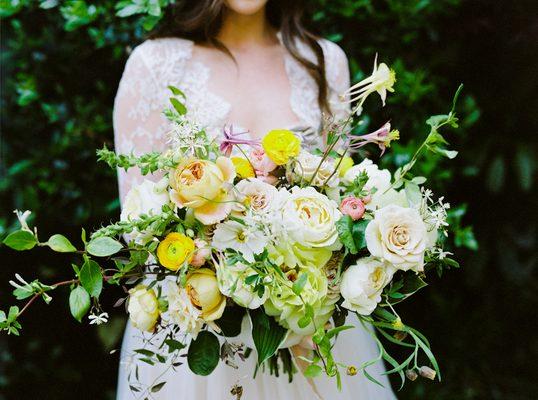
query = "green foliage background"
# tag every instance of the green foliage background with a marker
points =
(61, 62)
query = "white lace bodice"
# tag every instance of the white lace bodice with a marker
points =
(143, 93)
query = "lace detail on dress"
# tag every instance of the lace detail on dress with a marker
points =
(206, 108)
(143, 92)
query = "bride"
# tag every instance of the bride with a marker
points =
(249, 63)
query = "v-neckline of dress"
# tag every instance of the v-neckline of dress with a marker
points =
(227, 106)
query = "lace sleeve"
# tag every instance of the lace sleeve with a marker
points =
(337, 72)
(139, 126)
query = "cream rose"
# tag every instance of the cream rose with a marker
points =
(143, 308)
(363, 282)
(399, 236)
(231, 280)
(310, 217)
(146, 198)
(256, 194)
(204, 186)
(182, 312)
(306, 167)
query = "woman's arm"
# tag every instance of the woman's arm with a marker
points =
(139, 126)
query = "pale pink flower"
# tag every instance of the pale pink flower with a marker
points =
(352, 206)
(202, 253)
(382, 137)
(261, 163)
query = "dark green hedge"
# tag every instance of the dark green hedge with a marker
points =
(61, 63)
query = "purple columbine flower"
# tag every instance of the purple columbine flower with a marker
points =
(382, 137)
(232, 139)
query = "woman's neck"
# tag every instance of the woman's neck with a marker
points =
(241, 32)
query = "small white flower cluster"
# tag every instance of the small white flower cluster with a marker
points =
(187, 136)
(434, 213)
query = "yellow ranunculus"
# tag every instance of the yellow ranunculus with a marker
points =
(174, 250)
(203, 290)
(345, 165)
(203, 186)
(280, 145)
(143, 308)
(243, 168)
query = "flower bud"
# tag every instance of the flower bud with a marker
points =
(202, 253)
(351, 370)
(427, 372)
(400, 335)
(411, 374)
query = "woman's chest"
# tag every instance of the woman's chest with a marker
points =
(253, 92)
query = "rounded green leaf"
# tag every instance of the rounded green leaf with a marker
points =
(20, 240)
(203, 354)
(91, 278)
(79, 302)
(60, 244)
(103, 246)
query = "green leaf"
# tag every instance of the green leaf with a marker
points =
(203, 354)
(299, 284)
(91, 278)
(174, 345)
(20, 240)
(155, 388)
(60, 244)
(344, 226)
(412, 283)
(412, 191)
(312, 371)
(359, 227)
(231, 320)
(79, 302)
(267, 334)
(180, 107)
(103, 246)
(176, 92)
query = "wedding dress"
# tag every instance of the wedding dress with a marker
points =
(140, 127)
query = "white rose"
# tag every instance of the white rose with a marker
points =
(378, 179)
(182, 312)
(310, 218)
(145, 198)
(143, 308)
(306, 166)
(399, 236)
(363, 283)
(391, 196)
(257, 194)
(231, 281)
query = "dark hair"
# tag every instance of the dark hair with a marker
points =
(201, 20)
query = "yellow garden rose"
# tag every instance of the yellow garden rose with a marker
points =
(204, 186)
(243, 168)
(280, 145)
(203, 290)
(174, 250)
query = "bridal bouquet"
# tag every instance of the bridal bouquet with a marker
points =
(263, 241)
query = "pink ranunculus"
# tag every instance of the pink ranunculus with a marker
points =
(201, 254)
(261, 163)
(353, 207)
